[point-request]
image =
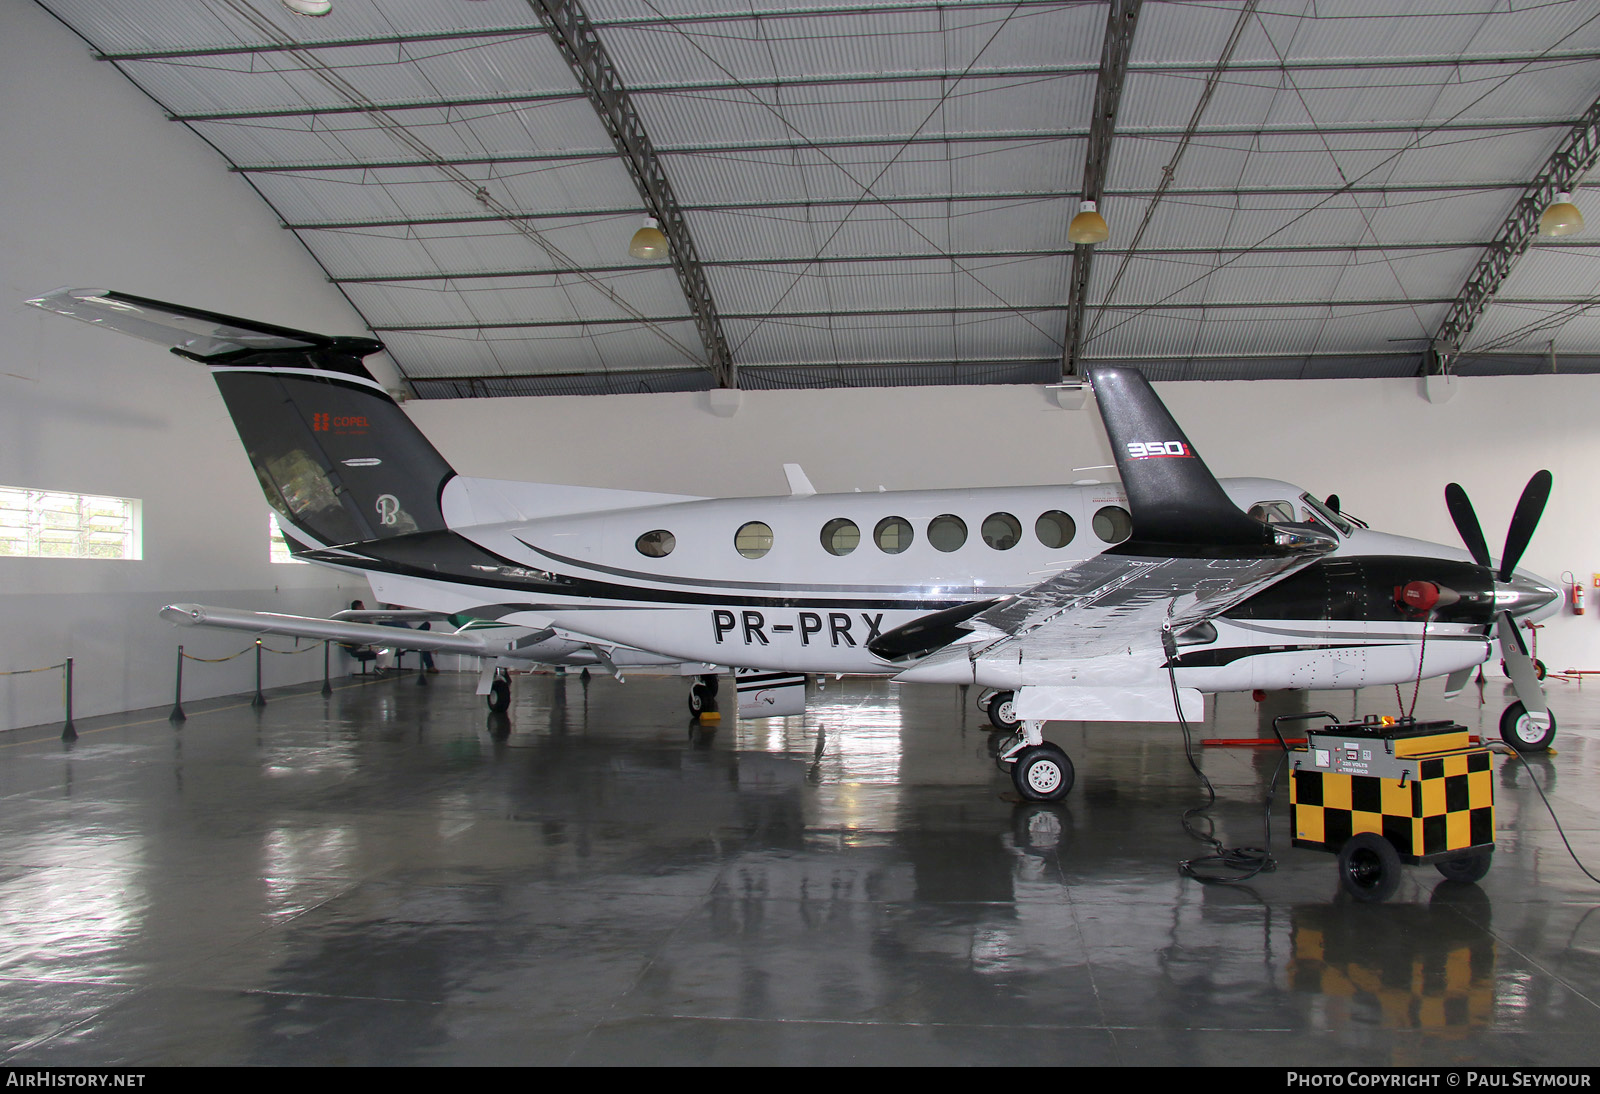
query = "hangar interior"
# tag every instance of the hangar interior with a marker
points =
(879, 198)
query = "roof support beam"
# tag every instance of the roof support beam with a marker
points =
(1560, 173)
(570, 29)
(1121, 20)
(1415, 131)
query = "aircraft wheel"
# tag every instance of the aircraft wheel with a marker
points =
(499, 697)
(1002, 712)
(1467, 868)
(1522, 733)
(1042, 773)
(710, 681)
(1369, 867)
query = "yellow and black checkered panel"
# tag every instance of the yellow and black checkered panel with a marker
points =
(1449, 807)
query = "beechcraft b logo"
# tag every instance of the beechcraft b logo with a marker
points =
(388, 509)
(1144, 450)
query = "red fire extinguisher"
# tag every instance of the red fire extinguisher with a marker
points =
(1577, 593)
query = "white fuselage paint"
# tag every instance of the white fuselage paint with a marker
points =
(800, 608)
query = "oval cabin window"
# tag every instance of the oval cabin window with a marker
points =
(753, 540)
(657, 544)
(947, 532)
(892, 535)
(1001, 531)
(1055, 529)
(840, 536)
(1113, 524)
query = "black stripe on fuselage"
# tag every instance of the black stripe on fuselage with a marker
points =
(450, 556)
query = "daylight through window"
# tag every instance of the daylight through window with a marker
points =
(54, 524)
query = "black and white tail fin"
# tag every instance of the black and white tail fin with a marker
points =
(334, 453)
(1174, 498)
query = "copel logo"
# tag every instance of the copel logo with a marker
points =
(323, 423)
(1144, 450)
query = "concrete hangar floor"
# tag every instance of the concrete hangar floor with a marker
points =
(375, 878)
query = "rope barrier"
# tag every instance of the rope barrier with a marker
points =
(247, 649)
(24, 672)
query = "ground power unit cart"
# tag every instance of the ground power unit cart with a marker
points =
(1382, 792)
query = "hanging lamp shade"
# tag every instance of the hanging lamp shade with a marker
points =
(1088, 226)
(315, 8)
(649, 241)
(1562, 218)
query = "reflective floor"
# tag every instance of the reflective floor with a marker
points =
(381, 878)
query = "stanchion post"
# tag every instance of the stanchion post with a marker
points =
(260, 700)
(177, 714)
(69, 732)
(327, 688)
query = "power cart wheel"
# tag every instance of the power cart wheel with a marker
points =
(1042, 773)
(1369, 867)
(1522, 732)
(1466, 868)
(1002, 712)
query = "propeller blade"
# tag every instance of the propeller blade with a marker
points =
(1519, 666)
(1456, 682)
(1467, 526)
(1530, 507)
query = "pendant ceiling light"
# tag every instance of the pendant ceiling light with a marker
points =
(1562, 218)
(316, 8)
(1088, 226)
(648, 242)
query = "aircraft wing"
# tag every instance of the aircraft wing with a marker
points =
(1107, 606)
(1192, 555)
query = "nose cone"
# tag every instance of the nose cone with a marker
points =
(1526, 595)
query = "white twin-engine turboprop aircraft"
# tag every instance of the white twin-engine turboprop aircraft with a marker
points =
(1098, 603)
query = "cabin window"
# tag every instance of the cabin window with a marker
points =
(657, 544)
(1001, 531)
(1055, 529)
(1272, 512)
(753, 540)
(1113, 524)
(840, 536)
(947, 532)
(892, 535)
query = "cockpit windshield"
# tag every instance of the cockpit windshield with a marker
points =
(1321, 511)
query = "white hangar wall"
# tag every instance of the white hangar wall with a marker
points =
(100, 189)
(1379, 444)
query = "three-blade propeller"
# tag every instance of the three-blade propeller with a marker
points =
(1519, 666)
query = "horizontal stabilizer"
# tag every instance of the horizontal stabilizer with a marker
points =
(335, 630)
(201, 335)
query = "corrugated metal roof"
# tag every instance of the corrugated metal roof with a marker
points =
(879, 191)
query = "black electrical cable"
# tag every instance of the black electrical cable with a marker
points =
(1246, 862)
(1554, 819)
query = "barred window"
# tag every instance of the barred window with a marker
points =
(56, 524)
(278, 549)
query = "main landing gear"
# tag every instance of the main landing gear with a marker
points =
(703, 695)
(1041, 771)
(499, 697)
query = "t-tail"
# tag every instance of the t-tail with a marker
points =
(334, 453)
(1178, 506)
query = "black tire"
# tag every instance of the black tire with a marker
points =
(1467, 868)
(1369, 867)
(697, 700)
(1042, 773)
(1521, 733)
(710, 682)
(1000, 712)
(499, 697)
(1539, 671)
